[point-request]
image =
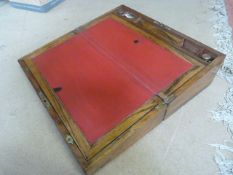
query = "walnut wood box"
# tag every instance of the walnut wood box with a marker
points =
(109, 82)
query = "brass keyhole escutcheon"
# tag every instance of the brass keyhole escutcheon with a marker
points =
(69, 139)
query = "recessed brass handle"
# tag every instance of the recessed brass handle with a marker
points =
(128, 15)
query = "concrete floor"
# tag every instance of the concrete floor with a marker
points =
(31, 144)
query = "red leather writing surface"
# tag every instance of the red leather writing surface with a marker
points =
(107, 72)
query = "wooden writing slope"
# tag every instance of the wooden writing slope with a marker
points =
(110, 81)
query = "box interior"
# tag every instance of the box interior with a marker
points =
(106, 72)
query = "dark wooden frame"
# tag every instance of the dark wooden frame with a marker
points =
(159, 107)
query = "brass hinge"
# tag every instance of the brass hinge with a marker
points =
(44, 100)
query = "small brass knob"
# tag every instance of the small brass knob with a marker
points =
(206, 56)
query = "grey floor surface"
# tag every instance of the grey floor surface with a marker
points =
(30, 144)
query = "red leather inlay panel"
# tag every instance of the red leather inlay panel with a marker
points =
(107, 72)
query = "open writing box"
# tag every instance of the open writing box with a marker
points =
(110, 81)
